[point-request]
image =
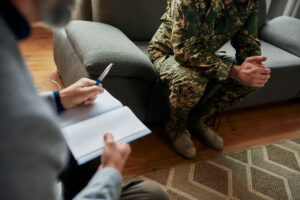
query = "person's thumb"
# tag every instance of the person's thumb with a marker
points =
(125, 149)
(108, 138)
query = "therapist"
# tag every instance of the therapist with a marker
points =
(32, 150)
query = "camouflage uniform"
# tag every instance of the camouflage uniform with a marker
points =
(184, 48)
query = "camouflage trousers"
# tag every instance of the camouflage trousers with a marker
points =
(188, 86)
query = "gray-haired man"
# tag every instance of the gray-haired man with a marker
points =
(32, 150)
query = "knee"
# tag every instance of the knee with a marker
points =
(189, 88)
(153, 191)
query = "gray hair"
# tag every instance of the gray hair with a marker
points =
(56, 13)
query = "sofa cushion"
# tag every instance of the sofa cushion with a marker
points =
(98, 44)
(283, 32)
(138, 19)
(143, 46)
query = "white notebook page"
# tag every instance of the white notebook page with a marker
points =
(85, 139)
(105, 102)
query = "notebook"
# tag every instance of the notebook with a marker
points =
(84, 127)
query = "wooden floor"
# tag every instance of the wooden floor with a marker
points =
(239, 128)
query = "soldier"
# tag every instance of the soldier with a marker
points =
(184, 52)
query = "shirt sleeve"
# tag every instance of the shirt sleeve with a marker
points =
(190, 49)
(105, 185)
(34, 153)
(49, 98)
(53, 100)
(246, 41)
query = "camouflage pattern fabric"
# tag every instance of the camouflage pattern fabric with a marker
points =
(187, 87)
(184, 47)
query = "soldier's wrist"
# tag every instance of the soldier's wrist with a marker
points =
(234, 72)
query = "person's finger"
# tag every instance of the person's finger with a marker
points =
(261, 65)
(101, 87)
(256, 59)
(125, 149)
(264, 67)
(263, 77)
(108, 138)
(259, 85)
(87, 82)
(263, 71)
(90, 101)
(91, 91)
(250, 66)
(82, 103)
(260, 82)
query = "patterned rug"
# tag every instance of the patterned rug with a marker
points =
(259, 173)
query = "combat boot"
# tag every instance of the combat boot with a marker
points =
(197, 124)
(207, 134)
(182, 142)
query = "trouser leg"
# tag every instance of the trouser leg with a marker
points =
(187, 86)
(201, 119)
(75, 177)
(143, 190)
(229, 93)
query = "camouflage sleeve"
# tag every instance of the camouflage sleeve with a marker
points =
(245, 41)
(189, 46)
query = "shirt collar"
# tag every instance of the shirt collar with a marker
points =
(14, 19)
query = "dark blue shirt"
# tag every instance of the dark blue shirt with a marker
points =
(14, 19)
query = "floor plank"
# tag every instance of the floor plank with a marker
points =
(240, 128)
(38, 53)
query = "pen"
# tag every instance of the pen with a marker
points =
(104, 73)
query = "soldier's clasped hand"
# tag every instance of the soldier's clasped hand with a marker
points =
(252, 73)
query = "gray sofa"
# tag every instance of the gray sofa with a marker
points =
(119, 31)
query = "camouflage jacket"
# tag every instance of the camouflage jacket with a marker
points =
(193, 30)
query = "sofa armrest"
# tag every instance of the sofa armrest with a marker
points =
(283, 32)
(97, 44)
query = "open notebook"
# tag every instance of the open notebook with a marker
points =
(84, 127)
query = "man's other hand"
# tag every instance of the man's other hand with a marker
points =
(114, 155)
(252, 73)
(83, 92)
